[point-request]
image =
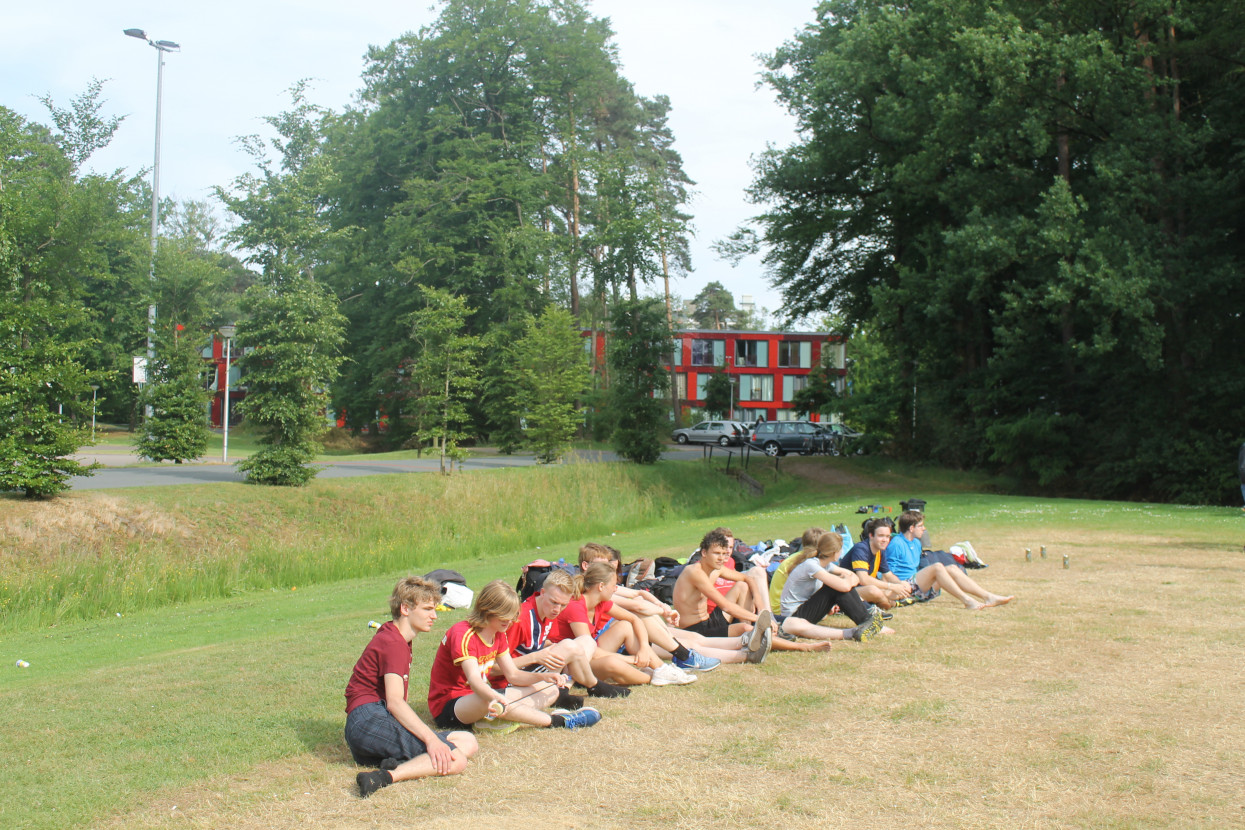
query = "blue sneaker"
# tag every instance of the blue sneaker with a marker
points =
(580, 719)
(697, 661)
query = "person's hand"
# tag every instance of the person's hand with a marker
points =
(671, 617)
(496, 709)
(564, 681)
(441, 756)
(551, 661)
(902, 588)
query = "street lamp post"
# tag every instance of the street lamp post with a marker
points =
(161, 46)
(227, 332)
(94, 391)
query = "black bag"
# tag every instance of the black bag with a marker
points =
(443, 575)
(532, 577)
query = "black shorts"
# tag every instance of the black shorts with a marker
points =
(715, 625)
(446, 719)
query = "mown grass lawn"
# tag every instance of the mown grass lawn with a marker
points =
(1106, 695)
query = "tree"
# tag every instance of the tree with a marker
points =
(292, 337)
(1033, 208)
(553, 371)
(715, 307)
(177, 428)
(443, 372)
(639, 345)
(718, 394)
(55, 236)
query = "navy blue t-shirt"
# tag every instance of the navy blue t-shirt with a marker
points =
(862, 558)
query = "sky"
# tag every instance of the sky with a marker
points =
(239, 59)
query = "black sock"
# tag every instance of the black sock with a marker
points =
(556, 721)
(566, 700)
(603, 689)
(680, 653)
(370, 782)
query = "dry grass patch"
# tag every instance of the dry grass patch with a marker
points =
(1106, 695)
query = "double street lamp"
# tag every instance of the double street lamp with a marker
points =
(161, 46)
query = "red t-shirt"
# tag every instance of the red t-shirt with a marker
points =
(530, 630)
(387, 653)
(460, 643)
(577, 611)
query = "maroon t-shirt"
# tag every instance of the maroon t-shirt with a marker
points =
(387, 653)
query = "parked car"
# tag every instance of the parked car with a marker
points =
(723, 433)
(846, 439)
(781, 437)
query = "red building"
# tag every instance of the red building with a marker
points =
(766, 368)
(215, 355)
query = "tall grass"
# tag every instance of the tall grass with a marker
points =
(98, 554)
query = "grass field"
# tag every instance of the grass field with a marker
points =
(1107, 694)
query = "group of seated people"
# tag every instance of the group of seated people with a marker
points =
(514, 662)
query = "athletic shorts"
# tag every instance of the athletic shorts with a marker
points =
(373, 734)
(447, 720)
(715, 625)
(923, 596)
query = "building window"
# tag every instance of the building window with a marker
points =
(676, 358)
(753, 353)
(795, 355)
(756, 387)
(791, 385)
(680, 385)
(701, 379)
(708, 352)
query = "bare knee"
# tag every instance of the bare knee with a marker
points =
(464, 743)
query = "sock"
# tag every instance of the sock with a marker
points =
(370, 782)
(556, 721)
(603, 689)
(680, 653)
(566, 700)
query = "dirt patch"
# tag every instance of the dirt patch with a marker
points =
(828, 473)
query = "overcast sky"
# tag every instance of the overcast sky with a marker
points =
(238, 59)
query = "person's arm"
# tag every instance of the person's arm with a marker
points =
(644, 654)
(395, 702)
(838, 579)
(516, 676)
(702, 583)
(475, 679)
(543, 657)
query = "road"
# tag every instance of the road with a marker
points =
(113, 475)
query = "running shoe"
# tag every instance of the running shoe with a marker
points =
(581, 719)
(697, 661)
(765, 621)
(767, 640)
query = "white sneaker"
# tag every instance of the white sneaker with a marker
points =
(668, 675)
(684, 676)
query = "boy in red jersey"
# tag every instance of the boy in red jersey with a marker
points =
(529, 638)
(460, 690)
(381, 727)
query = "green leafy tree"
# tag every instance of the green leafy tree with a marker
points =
(553, 372)
(177, 428)
(639, 346)
(1034, 208)
(54, 236)
(715, 307)
(718, 394)
(444, 372)
(292, 336)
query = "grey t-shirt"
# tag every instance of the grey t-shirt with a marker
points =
(801, 584)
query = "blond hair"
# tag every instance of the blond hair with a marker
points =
(828, 544)
(413, 591)
(558, 578)
(810, 537)
(598, 573)
(496, 599)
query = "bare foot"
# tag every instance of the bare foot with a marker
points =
(996, 600)
(974, 606)
(820, 645)
(886, 629)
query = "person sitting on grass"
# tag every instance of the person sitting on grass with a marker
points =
(815, 586)
(903, 556)
(531, 649)
(687, 650)
(382, 730)
(596, 622)
(778, 579)
(703, 610)
(460, 693)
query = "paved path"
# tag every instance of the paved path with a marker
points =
(112, 475)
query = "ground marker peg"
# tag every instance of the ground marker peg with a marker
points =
(1028, 554)
(1043, 551)
(1065, 561)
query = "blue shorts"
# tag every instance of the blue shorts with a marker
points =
(373, 735)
